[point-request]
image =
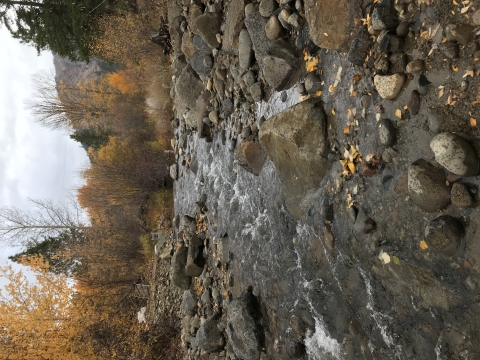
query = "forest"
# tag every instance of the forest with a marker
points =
(89, 250)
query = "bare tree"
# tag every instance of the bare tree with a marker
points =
(21, 227)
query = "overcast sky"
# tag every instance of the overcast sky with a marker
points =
(34, 162)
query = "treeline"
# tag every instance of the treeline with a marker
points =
(123, 119)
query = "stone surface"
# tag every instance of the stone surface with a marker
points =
(461, 198)
(295, 140)
(201, 109)
(273, 28)
(244, 331)
(189, 302)
(359, 50)
(188, 86)
(177, 275)
(235, 15)
(427, 186)
(415, 67)
(188, 47)
(386, 132)
(463, 33)
(389, 86)
(245, 50)
(201, 63)
(209, 336)
(333, 23)
(444, 233)
(280, 64)
(251, 156)
(176, 33)
(449, 49)
(207, 26)
(256, 91)
(384, 15)
(267, 7)
(174, 171)
(413, 102)
(255, 25)
(455, 154)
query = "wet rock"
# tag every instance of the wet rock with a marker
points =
(251, 156)
(403, 28)
(189, 302)
(415, 67)
(427, 186)
(177, 274)
(413, 102)
(389, 86)
(201, 63)
(245, 333)
(455, 154)
(313, 83)
(463, 34)
(267, 7)
(279, 64)
(449, 49)
(245, 51)
(256, 91)
(384, 15)
(423, 84)
(359, 50)
(398, 62)
(461, 197)
(255, 25)
(209, 337)
(188, 86)
(334, 24)
(174, 171)
(386, 132)
(444, 233)
(235, 15)
(274, 29)
(207, 26)
(295, 140)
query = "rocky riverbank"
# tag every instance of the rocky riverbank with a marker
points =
(326, 187)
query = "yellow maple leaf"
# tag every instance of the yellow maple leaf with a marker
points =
(423, 245)
(312, 64)
(319, 93)
(351, 167)
(346, 130)
(398, 113)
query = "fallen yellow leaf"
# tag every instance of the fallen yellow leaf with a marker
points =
(319, 93)
(346, 130)
(351, 167)
(454, 68)
(334, 112)
(455, 2)
(453, 103)
(440, 94)
(398, 113)
(331, 88)
(423, 245)
(312, 64)
(473, 122)
(468, 73)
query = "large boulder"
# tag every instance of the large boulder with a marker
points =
(334, 23)
(255, 25)
(178, 276)
(195, 261)
(209, 337)
(427, 186)
(251, 156)
(244, 330)
(296, 142)
(455, 154)
(208, 26)
(188, 87)
(235, 17)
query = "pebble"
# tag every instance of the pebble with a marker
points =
(449, 49)
(386, 132)
(464, 85)
(366, 101)
(423, 84)
(285, 14)
(301, 89)
(413, 103)
(461, 197)
(434, 123)
(444, 233)
(403, 28)
(249, 8)
(294, 20)
(267, 7)
(463, 34)
(389, 86)
(415, 67)
(273, 28)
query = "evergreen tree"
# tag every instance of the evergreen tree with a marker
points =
(91, 138)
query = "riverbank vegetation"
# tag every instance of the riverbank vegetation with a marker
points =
(87, 304)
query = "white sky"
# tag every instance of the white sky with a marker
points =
(34, 162)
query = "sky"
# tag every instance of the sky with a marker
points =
(35, 162)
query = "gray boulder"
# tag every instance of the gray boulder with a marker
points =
(384, 16)
(444, 233)
(178, 276)
(255, 24)
(427, 186)
(189, 302)
(251, 156)
(195, 261)
(209, 337)
(235, 16)
(207, 26)
(188, 87)
(389, 86)
(280, 64)
(201, 63)
(296, 141)
(455, 154)
(245, 334)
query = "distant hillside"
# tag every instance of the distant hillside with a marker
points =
(73, 72)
